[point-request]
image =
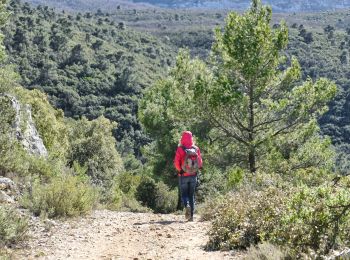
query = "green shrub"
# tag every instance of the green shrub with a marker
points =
(166, 199)
(122, 194)
(128, 182)
(245, 217)
(308, 220)
(146, 192)
(208, 209)
(315, 220)
(63, 196)
(130, 203)
(235, 177)
(13, 227)
(93, 145)
(113, 198)
(125, 187)
(156, 196)
(212, 182)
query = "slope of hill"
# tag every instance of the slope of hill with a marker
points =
(89, 65)
(101, 65)
(320, 41)
(277, 5)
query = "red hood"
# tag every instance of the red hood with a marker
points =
(186, 139)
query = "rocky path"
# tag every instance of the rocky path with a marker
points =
(116, 235)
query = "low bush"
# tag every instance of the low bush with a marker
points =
(122, 195)
(308, 220)
(128, 182)
(315, 220)
(166, 199)
(245, 218)
(130, 203)
(156, 196)
(209, 208)
(13, 227)
(146, 192)
(63, 196)
(211, 183)
(112, 198)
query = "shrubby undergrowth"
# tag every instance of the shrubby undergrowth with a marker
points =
(157, 195)
(63, 196)
(13, 227)
(309, 220)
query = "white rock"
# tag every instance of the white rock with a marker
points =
(6, 184)
(4, 198)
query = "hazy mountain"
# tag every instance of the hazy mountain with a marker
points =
(277, 5)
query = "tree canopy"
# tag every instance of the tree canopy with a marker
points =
(248, 95)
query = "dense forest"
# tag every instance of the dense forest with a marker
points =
(89, 64)
(98, 63)
(110, 93)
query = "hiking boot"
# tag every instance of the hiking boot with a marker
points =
(190, 219)
(188, 212)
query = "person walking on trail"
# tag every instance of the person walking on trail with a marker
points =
(188, 162)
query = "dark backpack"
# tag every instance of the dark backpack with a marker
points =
(191, 161)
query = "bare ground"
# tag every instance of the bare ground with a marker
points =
(122, 235)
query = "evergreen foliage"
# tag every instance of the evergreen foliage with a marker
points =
(253, 109)
(242, 100)
(87, 65)
(304, 220)
(92, 145)
(13, 227)
(81, 153)
(254, 113)
(63, 196)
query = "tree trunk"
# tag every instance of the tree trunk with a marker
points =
(252, 167)
(252, 158)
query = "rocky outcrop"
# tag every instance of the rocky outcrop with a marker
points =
(25, 130)
(8, 191)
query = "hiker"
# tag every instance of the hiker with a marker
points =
(188, 162)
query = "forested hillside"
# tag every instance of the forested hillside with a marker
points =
(266, 101)
(89, 64)
(320, 41)
(98, 63)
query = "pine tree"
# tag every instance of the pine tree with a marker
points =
(245, 98)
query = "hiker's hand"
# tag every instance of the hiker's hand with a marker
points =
(181, 172)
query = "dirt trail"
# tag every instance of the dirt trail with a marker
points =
(119, 235)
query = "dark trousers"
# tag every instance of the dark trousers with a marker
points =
(187, 186)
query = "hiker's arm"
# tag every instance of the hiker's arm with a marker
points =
(177, 160)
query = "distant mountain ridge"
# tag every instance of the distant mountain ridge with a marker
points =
(277, 5)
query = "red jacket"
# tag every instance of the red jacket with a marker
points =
(186, 141)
